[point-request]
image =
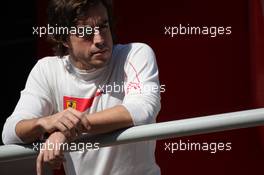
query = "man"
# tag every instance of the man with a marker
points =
(69, 95)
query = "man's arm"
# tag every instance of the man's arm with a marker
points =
(29, 130)
(22, 126)
(100, 122)
(140, 105)
(109, 120)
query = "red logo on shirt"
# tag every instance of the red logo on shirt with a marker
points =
(134, 85)
(80, 104)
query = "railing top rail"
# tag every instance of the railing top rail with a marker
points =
(155, 131)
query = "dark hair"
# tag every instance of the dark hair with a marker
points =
(66, 13)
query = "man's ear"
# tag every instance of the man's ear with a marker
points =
(66, 43)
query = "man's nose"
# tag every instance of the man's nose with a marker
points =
(99, 41)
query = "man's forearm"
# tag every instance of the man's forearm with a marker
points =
(100, 122)
(109, 120)
(29, 130)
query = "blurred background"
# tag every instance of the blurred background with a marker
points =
(202, 75)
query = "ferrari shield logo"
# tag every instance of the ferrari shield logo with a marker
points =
(80, 104)
(71, 104)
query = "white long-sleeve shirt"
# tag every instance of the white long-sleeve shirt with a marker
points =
(129, 79)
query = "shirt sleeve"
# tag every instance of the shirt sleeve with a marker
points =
(35, 101)
(142, 88)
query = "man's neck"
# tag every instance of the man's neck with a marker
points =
(80, 65)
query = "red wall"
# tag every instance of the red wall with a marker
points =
(203, 75)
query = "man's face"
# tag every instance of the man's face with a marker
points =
(95, 50)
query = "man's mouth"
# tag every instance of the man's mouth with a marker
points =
(99, 52)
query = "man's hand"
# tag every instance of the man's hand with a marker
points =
(70, 122)
(53, 155)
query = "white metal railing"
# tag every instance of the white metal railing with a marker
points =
(171, 129)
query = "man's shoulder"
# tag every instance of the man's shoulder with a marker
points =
(50, 63)
(49, 66)
(133, 51)
(52, 60)
(134, 56)
(140, 46)
(131, 47)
